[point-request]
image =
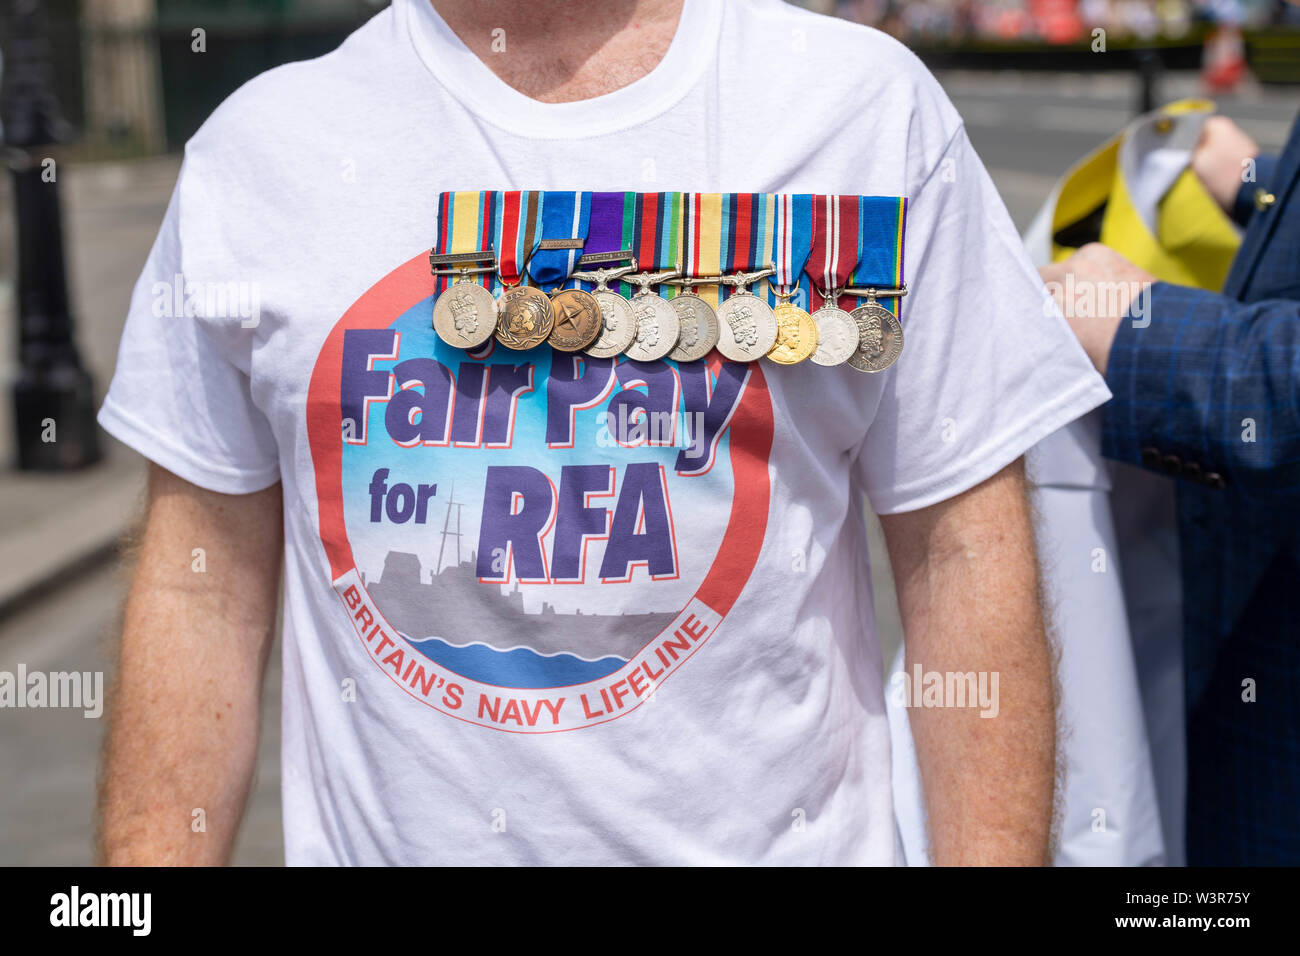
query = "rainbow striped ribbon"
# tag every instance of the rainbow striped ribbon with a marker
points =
(465, 224)
(728, 233)
(657, 231)
(813, 241)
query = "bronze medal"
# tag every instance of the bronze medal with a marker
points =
(525, 319)
(576, 320)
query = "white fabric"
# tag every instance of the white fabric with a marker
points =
(316, 183)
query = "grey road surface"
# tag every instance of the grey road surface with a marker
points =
(1027, 128)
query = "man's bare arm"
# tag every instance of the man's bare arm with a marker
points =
(967, 582)
(184, 714)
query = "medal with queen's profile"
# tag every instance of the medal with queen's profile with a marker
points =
(657, 327)
(746, 327)
(880, 338)
(796, 335)
(617, 326)
(465, 315)
(699, 329)
(837, 336)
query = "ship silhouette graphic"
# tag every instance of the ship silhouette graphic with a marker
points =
(454, 606)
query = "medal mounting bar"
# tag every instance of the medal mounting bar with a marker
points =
(876, 292)
(617, 255)
(461, 261)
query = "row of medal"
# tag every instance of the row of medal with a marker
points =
(684, 328)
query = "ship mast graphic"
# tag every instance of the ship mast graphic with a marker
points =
(455, 607)
(446, 532)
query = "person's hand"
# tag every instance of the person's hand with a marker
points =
(1219, 156)
(1095, 288)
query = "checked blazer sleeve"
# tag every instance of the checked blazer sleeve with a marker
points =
(1209, 391)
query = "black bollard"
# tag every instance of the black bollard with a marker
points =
(1150, 67)
(54, 401)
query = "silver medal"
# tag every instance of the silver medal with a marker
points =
(837, 336)
(747, 324)
(618, 325)
(618, 320)
(465, 315)
(699, 327)
(880, 338)
(880, 334)
(657, 327)
(747, 327)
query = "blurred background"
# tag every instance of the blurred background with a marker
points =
(99, 97)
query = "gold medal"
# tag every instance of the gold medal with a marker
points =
(525, 319)
(796, 334)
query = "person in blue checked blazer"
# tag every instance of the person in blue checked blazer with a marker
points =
(1207, 390)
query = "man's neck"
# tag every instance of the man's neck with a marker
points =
(558, 51)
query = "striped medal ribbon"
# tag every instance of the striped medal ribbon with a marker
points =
(792, 243)
(831, 260)
(657, 245)
(464, 310)
(575, 314)
(744, 239)
(879, 272)
(606, 257)
(698, 288)
(524, 319)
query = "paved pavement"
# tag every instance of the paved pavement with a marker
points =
(60, 589)
(50, 521)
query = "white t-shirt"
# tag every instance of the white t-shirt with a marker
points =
(683, 667)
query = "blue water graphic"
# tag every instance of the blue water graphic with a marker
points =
(519, 667)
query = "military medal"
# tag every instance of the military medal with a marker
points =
(837, 337)
(577, 320)
(657, 326)
(834, 256)
(575, 314)
(879, 272)
(464, 313)
(743, 240)
(796, 335)
(657, 244)
(609, 238)
(618, 320)
(880, 334)
(697, 290)
(698, 324)
(524, 319)
(749, 325)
